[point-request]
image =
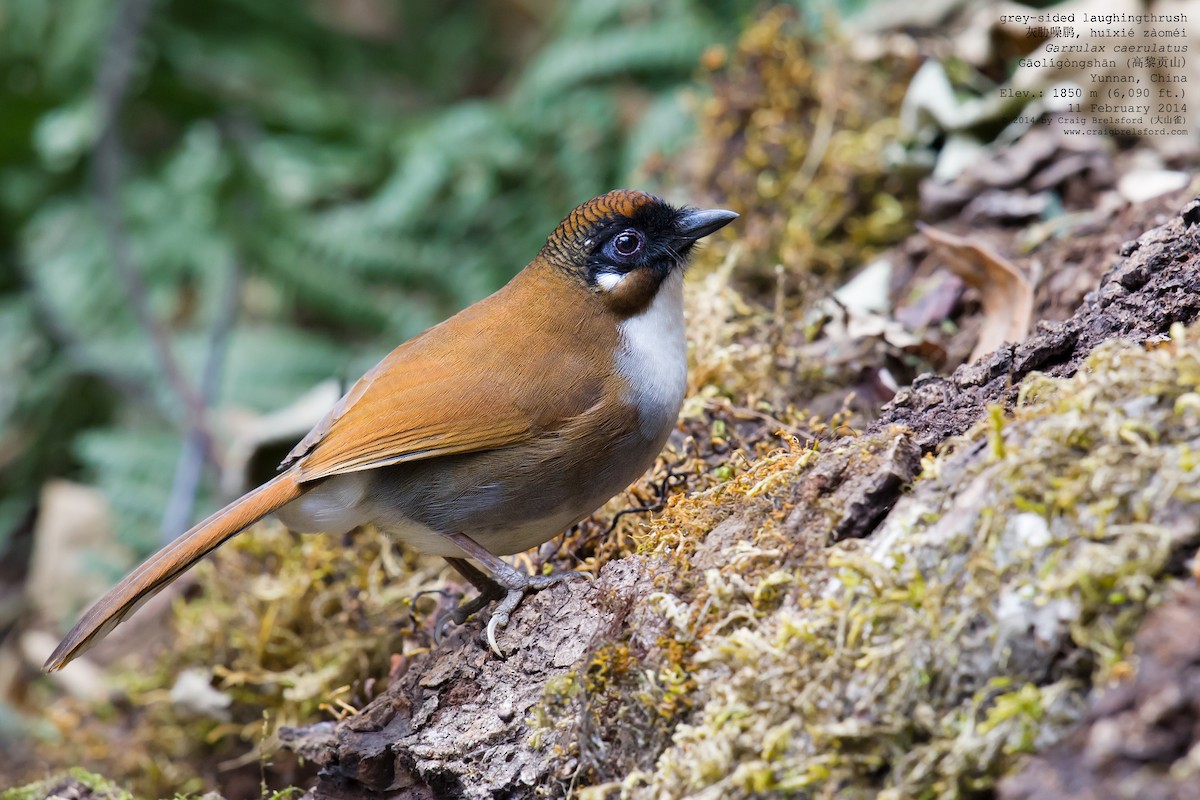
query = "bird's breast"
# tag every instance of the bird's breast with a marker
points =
(651, 358)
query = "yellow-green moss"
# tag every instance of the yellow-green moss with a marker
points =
(972, 626)
(791, 138)
(290, 629)
(99, 788)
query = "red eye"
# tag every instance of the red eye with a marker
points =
(627, 243)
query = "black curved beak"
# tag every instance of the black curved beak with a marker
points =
(697, 223)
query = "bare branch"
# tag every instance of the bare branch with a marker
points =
(189, 469)
(112, 86)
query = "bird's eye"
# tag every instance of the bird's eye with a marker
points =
(627, 243)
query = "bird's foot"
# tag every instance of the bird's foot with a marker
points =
(463, 611)
(505, 581)
(523, 584)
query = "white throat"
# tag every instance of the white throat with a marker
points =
(653, 358)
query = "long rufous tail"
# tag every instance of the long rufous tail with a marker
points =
(169, 563)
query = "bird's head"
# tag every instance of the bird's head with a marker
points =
(624, 244)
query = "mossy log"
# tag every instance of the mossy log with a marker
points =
(459, 722)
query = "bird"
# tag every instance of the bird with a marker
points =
(495, 430)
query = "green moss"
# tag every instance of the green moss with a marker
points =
(79, 782)
(295, 628)
(972, 626)
(98, 788)
(791, 137)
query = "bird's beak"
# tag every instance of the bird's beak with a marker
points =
(698, 223)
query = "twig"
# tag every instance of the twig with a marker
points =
(189, 469)
(112, 86)
(137, 390)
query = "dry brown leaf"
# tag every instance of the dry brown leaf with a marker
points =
(74, 530)
(1006, 294)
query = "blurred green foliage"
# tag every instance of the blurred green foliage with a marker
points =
(360, 169)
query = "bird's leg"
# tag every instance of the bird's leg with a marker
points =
(489, 590)
(477, 579)
(506, 578)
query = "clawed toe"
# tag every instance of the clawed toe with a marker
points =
(501, 615)
(462, 612)
(506, 584)
(546, 581)
(512, 599)
(444, 622)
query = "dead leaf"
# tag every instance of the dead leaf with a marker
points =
(1007, 167)
(930, 300)
(248, 432)
(1006, 294)
(193, 694)
(868, 290)
(1141, 185)
(1006, 207)
(73, 533)
(83, 680)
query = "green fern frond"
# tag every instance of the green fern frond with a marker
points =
(133, 466)
(652, 52)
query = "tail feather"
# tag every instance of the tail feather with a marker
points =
(169, 563)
